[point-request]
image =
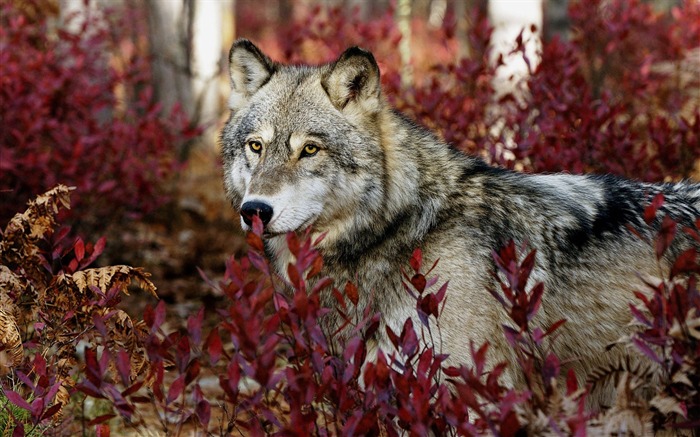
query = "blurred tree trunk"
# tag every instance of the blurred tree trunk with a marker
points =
(170, 36)
(436, 12)
(206, 58)
(285, 10)
(186, 40)
(555, 19)
(403, 18)
(72, 13)
(510, 18)
(462, 16)
(363, 7)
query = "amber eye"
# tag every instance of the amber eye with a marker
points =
(309, 150)
(255, 146)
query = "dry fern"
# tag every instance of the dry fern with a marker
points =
(18, 246)
(627, 367)
(630, 414)
(11, 351)
(65, 306)
(120, 276)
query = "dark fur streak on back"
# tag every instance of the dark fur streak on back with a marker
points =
(619, 210)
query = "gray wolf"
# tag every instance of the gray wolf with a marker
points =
(318, 146)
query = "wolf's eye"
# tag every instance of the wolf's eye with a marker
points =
(309, 150)
(255, 146)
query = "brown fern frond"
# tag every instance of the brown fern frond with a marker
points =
(630, 414)
(38, 219)
(18, 247)
(120, 276)
(124, 335)
(639, 370)
(65, 365)
(11, 287)
(11, 351)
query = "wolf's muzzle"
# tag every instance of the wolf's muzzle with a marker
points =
(261, 209)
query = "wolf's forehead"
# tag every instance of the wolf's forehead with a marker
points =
(292, 102)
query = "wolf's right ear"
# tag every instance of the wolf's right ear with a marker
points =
(250, 69)
(354, 77)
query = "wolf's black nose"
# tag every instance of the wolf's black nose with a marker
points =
(262, 210)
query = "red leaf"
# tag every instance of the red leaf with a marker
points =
(392, 336)
(192, 371)
(148, 316)
(293, 243)
(51, 411)
(102, 430)
(176, 389)
(16, 399)
(416, 260)
(96, 252)
(316, 267)
(535, 300)
(526, 267)
(550, 370)
(294, 277)
(646, 350)
(90, 391)
(510, 425)
(571, 382)
(479, 357)
(194, 326)
(351, 293)
(418, 281)
(685, 263)
(409, 339)
(641, 318)
(554, 327)
(652, 208)
(255, 241)
(158, 315)
(665, 237)
(257, 226)
(133, 388)
(101, 419)
(203, 412)
(214, 346)
(18, 431)
(79, 249)
(124, 366)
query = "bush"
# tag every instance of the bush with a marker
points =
(70, 115)
(277, 368)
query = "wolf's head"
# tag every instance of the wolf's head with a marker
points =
(303, 143)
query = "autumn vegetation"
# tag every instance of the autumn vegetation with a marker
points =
(618, 96)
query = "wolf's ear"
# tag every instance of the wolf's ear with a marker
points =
(354, 77)
(250, 69)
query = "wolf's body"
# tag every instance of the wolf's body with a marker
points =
(319, 146)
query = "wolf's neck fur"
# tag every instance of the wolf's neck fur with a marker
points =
(407, 170)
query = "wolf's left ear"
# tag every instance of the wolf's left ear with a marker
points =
(250, 69)
(354, 77)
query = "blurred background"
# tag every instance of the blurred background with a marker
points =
(123, 99)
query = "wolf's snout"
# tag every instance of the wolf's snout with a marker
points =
(261, 209)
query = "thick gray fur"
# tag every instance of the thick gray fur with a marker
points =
(380, 186)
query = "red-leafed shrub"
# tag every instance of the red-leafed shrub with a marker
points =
(70, 115)
(265, 363)
(616, 99)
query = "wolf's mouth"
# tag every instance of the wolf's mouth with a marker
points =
(267, 233)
